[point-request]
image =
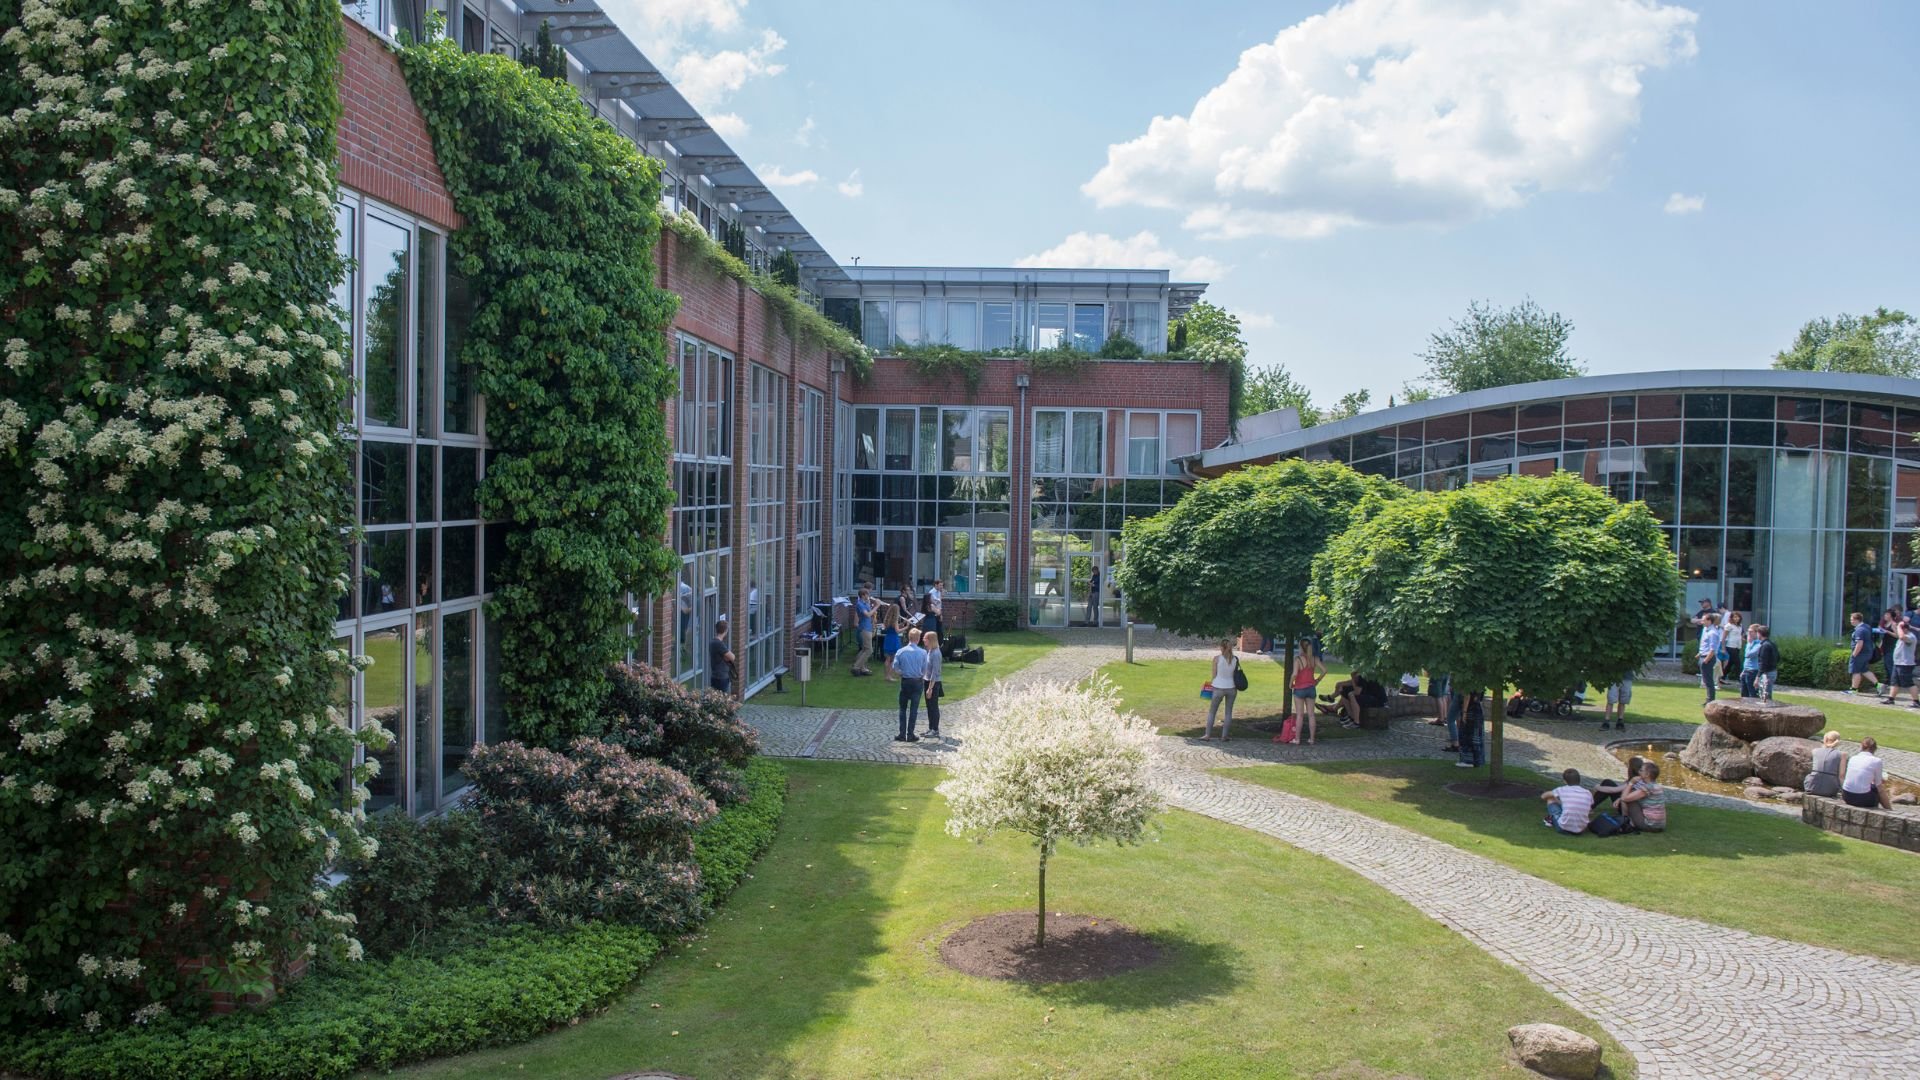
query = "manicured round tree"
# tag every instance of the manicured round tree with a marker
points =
(1058, 761)
(1539, 582)
(1238, 551)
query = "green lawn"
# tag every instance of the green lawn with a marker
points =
(1007, 652)
(825, 964)
(1757, 872)
(1167, 692)
(1893, 725)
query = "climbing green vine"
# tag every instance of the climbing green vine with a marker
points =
(568, 337)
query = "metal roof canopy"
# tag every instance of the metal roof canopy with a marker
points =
(616, 70)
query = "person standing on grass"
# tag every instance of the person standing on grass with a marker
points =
(1614, 712)
(863, 607)
(931, 643)
(1903, 653)
(1225, 689)
(1866, 782)
(1860, 659)
(1709, 653)
(932, 605)
(1767, 670)
(1306, 681)
(1733, 642)
(1473, 722)
(1569, 806)
(720, 660)
(910, 663)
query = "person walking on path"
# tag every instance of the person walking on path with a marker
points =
(863, 607)
(1903, 655)
(931, 643)
(1226, 668)
(1860, 659)
(720, 660)
(1709, 653)
(1306, 685)
(910, 663)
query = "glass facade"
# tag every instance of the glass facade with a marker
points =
(702, 505)
(1795, 509)
(422, 567)
(765, 631)
(930, 497)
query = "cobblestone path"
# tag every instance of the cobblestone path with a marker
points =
(1687, 998)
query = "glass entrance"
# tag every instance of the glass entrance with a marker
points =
(1085, 586)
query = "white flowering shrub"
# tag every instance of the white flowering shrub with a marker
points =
(175, 485)
(1056, 761)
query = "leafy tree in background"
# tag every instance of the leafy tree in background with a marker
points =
(1350, 404)
(1500, 347)
(1883, 343)
(1209, 333)
(1273, 388)
(1238, 551)
(1539, 582)
(546, 57)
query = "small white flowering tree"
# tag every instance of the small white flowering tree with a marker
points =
(1056, 761)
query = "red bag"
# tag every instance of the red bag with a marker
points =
(1206, 690)
(1290, 730)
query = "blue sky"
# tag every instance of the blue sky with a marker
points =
(1354, 186)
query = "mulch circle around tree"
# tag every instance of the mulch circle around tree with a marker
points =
(1506, 789)
(1079, 947)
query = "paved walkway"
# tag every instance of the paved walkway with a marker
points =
(1688, 998)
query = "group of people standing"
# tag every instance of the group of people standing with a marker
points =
(1895, 640)
(911, 650)
(1726, 638)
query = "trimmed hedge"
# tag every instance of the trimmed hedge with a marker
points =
(507, 989)
(993, 615)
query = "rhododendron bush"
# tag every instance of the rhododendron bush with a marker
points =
(1055, 761)
(693, 729)
(171, 380)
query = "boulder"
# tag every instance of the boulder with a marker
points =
(1555, 1051)
(1793, 798)
(1754, 781)
(1783, 761)
(1717, 754)
(1753, 719)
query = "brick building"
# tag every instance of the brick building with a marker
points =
(795, 479)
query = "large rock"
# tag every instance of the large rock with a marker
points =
(1555, 1051)
(1717, 754)
(1753, 719)
(1783, 761)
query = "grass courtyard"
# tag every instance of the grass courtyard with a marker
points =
(825, 964)
(836, 688)
(1167, 692)
(1758, 872)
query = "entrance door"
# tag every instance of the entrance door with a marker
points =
(1084, 585)
(1903, 588)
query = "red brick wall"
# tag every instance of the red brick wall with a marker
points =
(385, 150)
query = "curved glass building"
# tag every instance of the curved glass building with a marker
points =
(1792, 496)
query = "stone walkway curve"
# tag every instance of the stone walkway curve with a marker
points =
(1689, 999)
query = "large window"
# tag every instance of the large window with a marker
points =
(875, 329)
(703, 504)
(996, 326)
(919, 474)
(1049, 326)
(810, 478)
(765, 631)
(1069, 442)
(1138, 320)
(963, 317)
(425, 562)
(1155, 441)
(1089, 322)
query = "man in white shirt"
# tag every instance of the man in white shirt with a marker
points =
(930, 607)
(1865, 784)
(1568, 806)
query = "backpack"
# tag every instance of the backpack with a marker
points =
(1605, 825)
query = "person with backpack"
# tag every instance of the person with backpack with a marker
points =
(1226, 684)
(1767, 667)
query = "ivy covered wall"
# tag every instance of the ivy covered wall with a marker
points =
(171, 389)
(561, 216)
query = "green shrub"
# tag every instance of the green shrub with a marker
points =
(1810, 662)
(1119, 346)
(591, 834)
(172, 495)
(514, 985)
(995, 615)
(429, 877)
(697, 731)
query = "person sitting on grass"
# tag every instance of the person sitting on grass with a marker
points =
(1569, 806)
(1645, 801)
(1866, 782)
(1613, 789)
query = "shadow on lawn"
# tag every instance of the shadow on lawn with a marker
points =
(1190, 970)
(1692, 830)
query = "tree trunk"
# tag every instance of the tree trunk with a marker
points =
(1496, 744)
(1040, 930)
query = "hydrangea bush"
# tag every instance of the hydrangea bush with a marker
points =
(175, 486)
(694, 730)
(1058, 761)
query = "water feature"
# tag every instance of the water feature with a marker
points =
(1675, 775)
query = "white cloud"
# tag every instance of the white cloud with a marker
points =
(659, 26)
(853, 187)
(1142, 250)
(804, 137)
(728, 125)
(707, 79)
(775, 176)
(1384, 112)
(1685, 204)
